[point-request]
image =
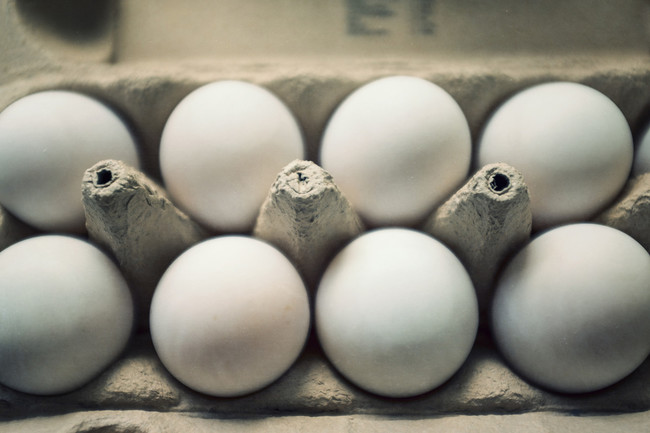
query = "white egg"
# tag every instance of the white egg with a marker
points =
(571, 309)
(47, 141)
(65, 314)
(571, 143)
(397, 147)
(396, 312)
(642, 156)
(229, 316)
(222, 148)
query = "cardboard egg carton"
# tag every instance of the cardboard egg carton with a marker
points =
(143, 57)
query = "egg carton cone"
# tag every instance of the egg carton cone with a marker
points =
(631, 211)
(131, 217)
(484, 222)
(307, 217)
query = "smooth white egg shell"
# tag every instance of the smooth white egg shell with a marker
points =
(229, 316)
(571, 309)
(221, 149)
(47, 141)
(642, 156)
(396, 147)
(65, 314)
(571, 143)
(396, 312)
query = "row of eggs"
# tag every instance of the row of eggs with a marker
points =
(396, 147)
(395, 312)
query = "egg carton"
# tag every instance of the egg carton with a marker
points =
(137, 393)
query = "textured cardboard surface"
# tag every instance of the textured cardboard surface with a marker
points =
(375, 28)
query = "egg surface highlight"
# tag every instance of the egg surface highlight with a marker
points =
(396, 312)
(571, 143)
(66, 313)
(47, 141)
(571, 309)
(229, 316)
(221, 149)
(396, 147)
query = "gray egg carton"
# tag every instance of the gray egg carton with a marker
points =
(109, 50)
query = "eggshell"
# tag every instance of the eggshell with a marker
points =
(642, 156)
(47, 141)
(396, 147)
(221, 150)
(229, 316)
(396, 312)
(571, 143)
(65, 314)
(571, 310)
